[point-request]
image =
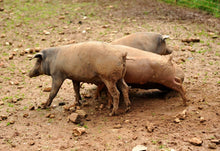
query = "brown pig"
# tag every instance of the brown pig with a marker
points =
(150, 70)
(146, 41)
(91, 62)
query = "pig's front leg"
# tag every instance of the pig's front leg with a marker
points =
(76, 86)
(56, 84)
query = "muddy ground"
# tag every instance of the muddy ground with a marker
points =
(153, 120)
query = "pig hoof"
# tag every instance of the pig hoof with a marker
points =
(112, 113)
(127, 109)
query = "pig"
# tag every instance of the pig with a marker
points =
(149, 70)
(146, 41)
(91, 62)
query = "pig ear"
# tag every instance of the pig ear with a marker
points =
(37, 55)
(165, 37)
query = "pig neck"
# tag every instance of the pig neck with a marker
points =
(49, 59)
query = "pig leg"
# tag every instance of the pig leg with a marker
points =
(98, 91)
(177, 85)
(76, 86)
(113, 91)
(124, 89)
(56, 84)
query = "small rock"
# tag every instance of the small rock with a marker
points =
(101, 106)
(177, 120)
(1, 103)
(200, 107)
(47, 89)
(3, 117)
(46, 32)
(49, 115)
(29, 50)
(215, 141)
(188, 40)
(62, 17)
(196, 141)
(20, 45)
(188, 48)
(37, 49)
(31, 107)
(30, 56)
(149, 126)
(25, 115)
(8, 43)
(134, 137)
(127, 121)
(20, 87)
(74, 117)
(87, 95)
(212, 146)
(62, 103)
(105, 26)
(1, 9)
(81, 113)
(3, 36)
(182, 115)
(117, 126)
(11, 82)
(139, 148)
(22, 53)
(78, 131)
(12, 121)
(10, 57)
(31, 143)
(202, 119)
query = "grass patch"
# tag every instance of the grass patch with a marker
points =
(210, 6)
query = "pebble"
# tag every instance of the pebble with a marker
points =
(182, 115)
(101, 106)
(46, 32)
(212, 146)
(215, 141)
(74, 117)
(1, 103)
(25, 115)
(139, 148)
(30, 56)
(2, 36)
(149, 126)
(188, 48)
(22, 53)
(81, 113)
(11, 57)
(127, 121)
(62, 103)
(49, 115)
(117, 126)
(188, 40)
(202, 119)
(31, 107)
(37, 49)
(196, 141)
(177, 120)
(29, 50)
(78, 131)
(31, 143)
(47, 89)
(3, 117)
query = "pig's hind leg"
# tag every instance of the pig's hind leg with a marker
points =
(114, 93)
(124, 89)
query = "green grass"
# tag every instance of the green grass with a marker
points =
(210, 6)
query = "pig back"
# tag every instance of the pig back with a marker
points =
(147, 41)
(89, 61)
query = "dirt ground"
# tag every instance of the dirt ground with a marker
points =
(153, 121)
